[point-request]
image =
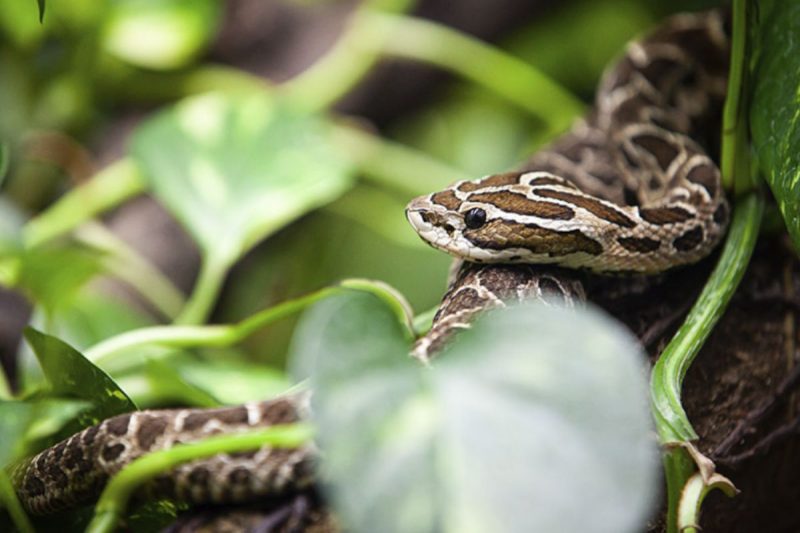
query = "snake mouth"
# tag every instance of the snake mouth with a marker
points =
(432, 227)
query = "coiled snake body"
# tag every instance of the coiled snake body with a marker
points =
(629, 189)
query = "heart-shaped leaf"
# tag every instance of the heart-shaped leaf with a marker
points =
(774, 112)
(71, 375)
(532, 414)
(234, 169)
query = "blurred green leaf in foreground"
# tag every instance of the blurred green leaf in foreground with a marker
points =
(517, 441)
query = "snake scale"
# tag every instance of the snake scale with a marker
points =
(630, 188)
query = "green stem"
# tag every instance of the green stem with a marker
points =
(678, 467)
(733, 135)
(114, 499)
(671, 421)
(8, 497)
(206, 289)
(333, 76)
(108, 188)
(497, 71)
(131, 267)
(226, 335)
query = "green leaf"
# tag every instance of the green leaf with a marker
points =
(160, 34)
(14, 420)
(52, 276)
(235, 169)
(167, 383)
(775, 108)
(521, 422)
(71, 375)
(41, 4)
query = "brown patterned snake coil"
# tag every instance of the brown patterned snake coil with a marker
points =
(629, 188)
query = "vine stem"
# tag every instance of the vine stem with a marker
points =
(114, 499)
(495, 70)
(209, 282)
(672, 424)
(356, 51)
(109, 187)
(184, 336)
(128, 265)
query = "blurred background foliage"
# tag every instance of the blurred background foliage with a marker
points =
(79, 91)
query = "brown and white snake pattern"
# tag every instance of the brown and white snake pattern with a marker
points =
(629, 189)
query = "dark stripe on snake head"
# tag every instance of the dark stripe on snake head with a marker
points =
(500, 234)
(597, 208)
(689, 240)
(665, 215)
(705, 175)
(447, 198)
(639, 244)
(506, 178)
(663, 150)
(512, 202)
(550, 180)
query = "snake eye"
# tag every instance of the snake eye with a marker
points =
(475, 218)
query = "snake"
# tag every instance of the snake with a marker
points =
(631, 188)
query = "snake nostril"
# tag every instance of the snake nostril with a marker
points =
(449, 229)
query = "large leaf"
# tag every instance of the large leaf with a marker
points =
(775, 109)
(235, 169)
(71, 375)
(535, 420)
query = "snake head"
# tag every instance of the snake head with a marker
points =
(450, 222)
(503, 218)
